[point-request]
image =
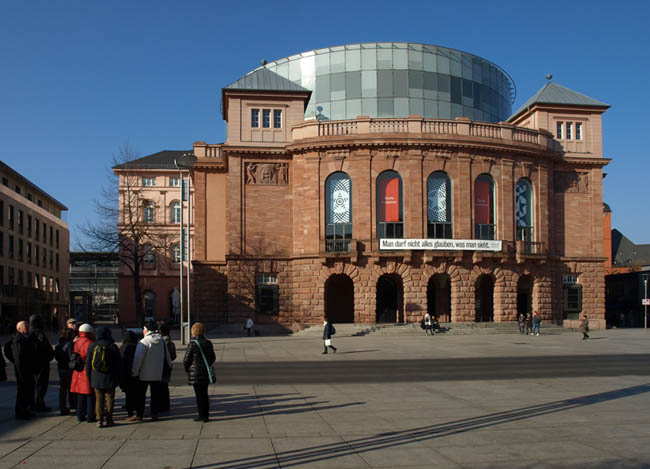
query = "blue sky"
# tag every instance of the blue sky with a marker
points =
(78, 79)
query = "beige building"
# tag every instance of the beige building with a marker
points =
(34, 251)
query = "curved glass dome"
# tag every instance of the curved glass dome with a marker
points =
(395, 79)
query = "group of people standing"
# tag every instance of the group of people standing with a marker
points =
(430, 324)
(91, 366)
(529, 323)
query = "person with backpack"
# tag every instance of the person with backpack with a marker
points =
(80, 384)
(129, 383)
(198, 361)
(44, 355)
(103, 368)
(20, 351)
(151, 354)
(165, 402)
(62, 355)
(328, 331)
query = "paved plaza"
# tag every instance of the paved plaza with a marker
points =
(482, 401)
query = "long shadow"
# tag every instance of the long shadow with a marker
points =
(385, 440)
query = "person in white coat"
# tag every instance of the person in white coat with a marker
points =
(151, 355)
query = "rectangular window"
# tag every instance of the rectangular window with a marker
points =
(57, 239)
(40, 203)
(37, 255)
(51, 236)
(148, 181)
(255, 118)
(2, 275)
(175, 182)
(29, 196)
(20, 277)
(569, 128)
(10, 275)
(2, 244)
(11, 217)
(2, 212)
(51, 260)
(266, 118)
(20, 250)
(28, 279)
(29, 253)
(559, 130)
(44, 232)
(11, 247)
(17, 189)
(57, 262)
(20, 221)
(44, 257)
(277, 119)
(29, 226)
(578, 130)
(37, 230)
(266, 298)
(5, 182)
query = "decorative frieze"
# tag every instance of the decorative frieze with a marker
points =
(267, 173)
(571, 182)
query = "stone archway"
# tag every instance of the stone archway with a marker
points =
(484, 298)
(390, 299)
(339, 299)
(439, 297)
(525, 295)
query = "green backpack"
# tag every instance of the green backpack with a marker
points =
(99, 360)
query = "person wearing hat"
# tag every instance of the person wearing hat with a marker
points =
(80, 383)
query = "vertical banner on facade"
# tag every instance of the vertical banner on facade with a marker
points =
(482, 196)
(389, 200)
(437, 199)
(339, 200)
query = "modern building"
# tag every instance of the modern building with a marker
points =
(94, 289)
(34, 245)
(375, 182)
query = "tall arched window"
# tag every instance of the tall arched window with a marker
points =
(149, 303)
(439, 223)
(484, 226)
(176, 212)
(390, 213)
(338, 212)
(524, 211)
(149, 212)
(176, 253)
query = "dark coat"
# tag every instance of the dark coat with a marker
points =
(197, 372)
(44, 350)
(20, 350)
(327, 331)
(3, 365)
(127, 350)
(63, 360)
(110, 379)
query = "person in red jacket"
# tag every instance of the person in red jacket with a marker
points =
(80, 384)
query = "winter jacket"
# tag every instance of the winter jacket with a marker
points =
(3, 371)
(44, 351)
(327, 331)
(80, 382)
(584, 325)
(110, 379)
(197, 372)
(150, 354)
(20, 350)
(537, 319)
(63, 360)
(171, 347)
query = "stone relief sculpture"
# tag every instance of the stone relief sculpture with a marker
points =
(267, 173)
(571, 182)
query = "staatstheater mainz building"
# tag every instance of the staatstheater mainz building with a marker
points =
(374, 182)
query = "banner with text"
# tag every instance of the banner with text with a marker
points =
(441, 244)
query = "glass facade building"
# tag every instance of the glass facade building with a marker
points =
(396, 79)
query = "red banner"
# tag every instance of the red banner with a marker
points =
(389, 200)
(482, 202)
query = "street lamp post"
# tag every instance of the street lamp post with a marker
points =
(184, 245)
(180, 301)
(645, 303)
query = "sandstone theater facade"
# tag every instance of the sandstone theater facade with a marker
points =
(375, 182)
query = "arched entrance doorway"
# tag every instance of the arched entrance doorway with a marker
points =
(484, 299)
(525, 295)
(439, 297)
(339, 298)
(390, 297)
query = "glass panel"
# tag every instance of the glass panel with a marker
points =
(322, 88)
(400, 59)
(255, 117)
(430, 109)
(294, 70)
(455, 90)
(322, 64)
(443, 64)
(369, 107)
(455, 65)
(385, 107)
(444, 108)
(559, 130)
(337, 86)
(467, 88)
(429, 62)
(384, 58)
(415, 59)
(369, 59)
(353, 85)
(337, 62)
(442, 81)
(353, 108)
(401, 107)
(352, 60)
(578, 131)
(277, 119)
(416, 84)
(283, 70)
(457, 111)
(416, 106)
(385, 83)
(266, 118)
(368, 83)
(338, 110)
(308, 72)
(400, 84)
(569, 128)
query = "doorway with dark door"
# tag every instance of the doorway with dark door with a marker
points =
(339, 299)
(390, 297)
(484, 299)
(525, 295)
(439, 297)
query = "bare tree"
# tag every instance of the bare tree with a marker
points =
(124, 224)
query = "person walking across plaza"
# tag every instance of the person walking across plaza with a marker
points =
(328, 331)
(584, 327)
(129, 383)
(198, 361)
(249, 326)
(80, 384)
(529, 324)
(44, 355)
(165, 402)
(537, 323)
(103, 368)
(151, 354)
(63, 354)
(21, 352)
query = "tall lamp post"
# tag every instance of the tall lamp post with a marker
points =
(184, 196)
(645, 302)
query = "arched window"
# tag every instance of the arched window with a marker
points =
(524, 211)
(148, 256)
(149, 303)
(338, 212)
(176, 212)
(149, 210)
(484, 226)
(390, 214)
(176, 253)
(439, 223)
